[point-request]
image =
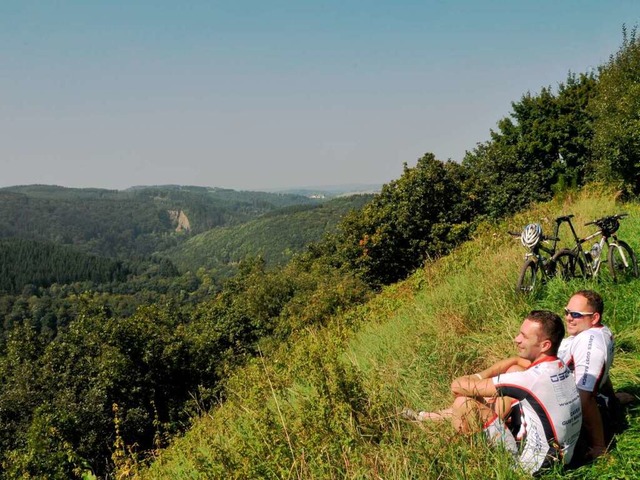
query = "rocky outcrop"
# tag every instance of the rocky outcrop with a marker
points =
(180, 219)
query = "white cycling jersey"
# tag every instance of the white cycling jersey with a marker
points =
(590, 356)
(547, 422)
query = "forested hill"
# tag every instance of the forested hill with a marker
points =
(193, 227)
(124, 224)
(275, 236)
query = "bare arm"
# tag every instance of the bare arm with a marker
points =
(592, 423)
(503, 366)
(473, 386)
(480, 384)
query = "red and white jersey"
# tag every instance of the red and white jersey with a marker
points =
(549, 413)
(590, 356)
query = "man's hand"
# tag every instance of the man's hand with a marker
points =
(595, 452)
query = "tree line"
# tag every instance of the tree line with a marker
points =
(126, 224)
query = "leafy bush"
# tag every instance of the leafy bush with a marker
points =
(420, 215)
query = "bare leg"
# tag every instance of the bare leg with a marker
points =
(470, 414)
(501, 407)
(435, 416)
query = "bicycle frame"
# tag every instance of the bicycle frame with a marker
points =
(535, 251)
(590, 263)
(579, 251)
(539, 258)
(610, 242)
(535, 261)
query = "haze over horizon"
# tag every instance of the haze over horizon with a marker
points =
(262, 96)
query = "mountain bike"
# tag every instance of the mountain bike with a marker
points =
(620, 257)
(541, 263)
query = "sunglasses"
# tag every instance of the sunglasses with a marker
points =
(577, 314)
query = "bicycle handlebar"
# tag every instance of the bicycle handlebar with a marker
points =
(617, 216)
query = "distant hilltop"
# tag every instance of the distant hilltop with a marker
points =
(315, 192)
(329, 191)
(312, 192)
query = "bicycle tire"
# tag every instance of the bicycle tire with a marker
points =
(566, 264)
(527, 279)
(619, 271)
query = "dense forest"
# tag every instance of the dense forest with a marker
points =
(26, 262)
(97, 363)
(42, 281)
(130, 223)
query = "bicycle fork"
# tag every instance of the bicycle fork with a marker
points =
(621, 252)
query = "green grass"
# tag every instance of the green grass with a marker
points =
(325, 404)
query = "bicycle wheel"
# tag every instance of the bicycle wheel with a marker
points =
(566, 264)
(622, 261)
(527, 279)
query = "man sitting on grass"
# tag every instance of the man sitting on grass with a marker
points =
(535, 391)
(588, 352)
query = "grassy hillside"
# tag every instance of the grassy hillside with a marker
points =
(325, 404)
(276, 236)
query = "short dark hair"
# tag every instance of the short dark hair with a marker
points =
(551, 326)
(594, 300)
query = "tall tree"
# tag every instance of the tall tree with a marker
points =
(545, 141)
(421, 214)
(616, 108)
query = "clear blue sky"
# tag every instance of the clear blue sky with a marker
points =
(249, 94)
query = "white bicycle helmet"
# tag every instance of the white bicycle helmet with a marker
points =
(531, 235)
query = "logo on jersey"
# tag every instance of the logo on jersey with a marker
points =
(561, 376)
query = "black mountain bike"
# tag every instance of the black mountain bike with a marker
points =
(619, 255)
(541, 262)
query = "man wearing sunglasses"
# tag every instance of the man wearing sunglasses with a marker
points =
(588, 351)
